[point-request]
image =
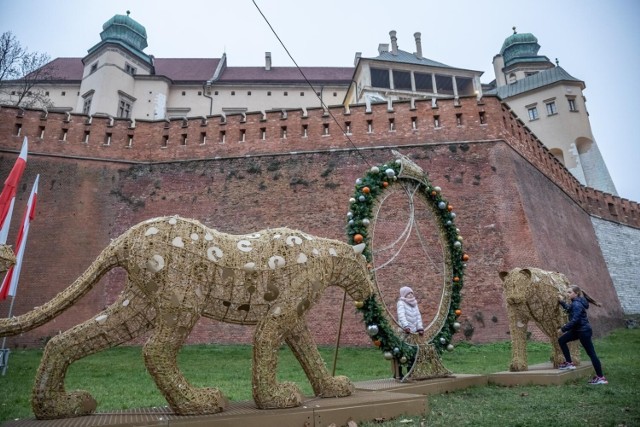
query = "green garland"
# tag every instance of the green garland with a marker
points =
(367, 189)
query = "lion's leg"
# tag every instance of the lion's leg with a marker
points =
(267, 392)
(518, 331)
(160, 355)
(117, 324)
(304, 348)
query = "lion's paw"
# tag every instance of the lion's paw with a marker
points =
(203, 401)
(64, 405)
(283, 395)
(339, 386)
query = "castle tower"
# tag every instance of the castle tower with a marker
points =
(551, 103)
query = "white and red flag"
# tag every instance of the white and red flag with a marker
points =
(8, 195)
(10, 282)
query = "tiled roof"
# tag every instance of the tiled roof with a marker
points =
(335, 75)
(540, 79)
(408, 58)
(66, 69)
(186, 69)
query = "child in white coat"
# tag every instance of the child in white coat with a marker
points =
(409, 316)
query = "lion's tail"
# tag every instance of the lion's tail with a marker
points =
(40, 315)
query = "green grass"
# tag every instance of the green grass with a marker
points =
(118, 380)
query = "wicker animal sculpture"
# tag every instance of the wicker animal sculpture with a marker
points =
(532, 294)
(179, 270)
(7, 258)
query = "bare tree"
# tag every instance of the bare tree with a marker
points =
(22, 73)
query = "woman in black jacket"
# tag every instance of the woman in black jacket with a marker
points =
(578, 328)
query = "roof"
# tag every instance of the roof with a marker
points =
(337, 75)
(535, 81)
(66, 69)
(186, 69)
(408, 58)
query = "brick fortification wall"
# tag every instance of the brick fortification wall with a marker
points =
(516, 205)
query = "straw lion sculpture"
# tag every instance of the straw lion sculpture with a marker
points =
(532, 294)
(178, 271)
(7, 258)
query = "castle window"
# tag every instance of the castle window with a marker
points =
(94, 68)
(286, 94)
(268, 93)
(459, 119)
(444, 84)
(305, 130)
(223, 136)
(533, 113)
(436, 121)
(572, 104)
(46, 93)
(243, 135)
(215, 93)
(347, 126)
(369, 126)
(183, 140)
(124, 108)
(86, 105)
(335, 94)
(199, 93)
(325, 129)
(483, 118)
(165, 141)
(401, 80)
(107, 138)
(18, 129)
(63, 93)
(248, 93)
(392, 125)
(301, 93)
(263, 133)
(41, 132)
(203, 138)
(233, 93)
(424, 82)
(86, 136)
(414, 123)
(551, 108)
(131, 70)
(512, 78)
(283, 132)
(380, 78)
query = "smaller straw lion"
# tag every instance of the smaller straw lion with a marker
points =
(178, 271)
(532, 294)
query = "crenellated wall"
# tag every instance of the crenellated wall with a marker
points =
(516, 204)
(284, 132)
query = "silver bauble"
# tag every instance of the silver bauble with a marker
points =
(387, 355)
(443, 340)
(375, 169)
(457, 244)
(442, 205)
(358, 181)
(349, 214)
(456, 325)
(450, 347)
(362, 198)
(390, 172)
(403, 359)
(372, 330)
(366, 221)
(438, 189)
(352, 200)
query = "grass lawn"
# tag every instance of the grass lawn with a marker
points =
(118, 380)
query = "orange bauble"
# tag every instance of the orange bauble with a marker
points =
(385, 184)
(358, 238)
(465, 257)
(458, 312)
(456, 279)
(377, 343)
(433, 193)
(366, 190)
(449, 208)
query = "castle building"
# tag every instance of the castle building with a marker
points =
(118, 79)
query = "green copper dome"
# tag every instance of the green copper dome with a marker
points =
(521, 48)
(124, 29)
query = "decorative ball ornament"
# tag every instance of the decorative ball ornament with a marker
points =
(373, 330)
(396, 350)
(456, 279)
(377, 343)
(449, 208)
(465, 257)
(434, 193)
(362, 198)
(366, 190)
(359, 304)
(458, 312)
(450, 347)
(459, 238)
(449, 222)
(442, 205)
(452, 215)
(385, 184)
(352, 200)
(457, 244)
(443, 340)
(349, 214)
(358, 181)
(375, 169)
(456, 325)
(366, 221)
(387, 355)
(390, 172)
(398, 162)
(403, 360)
(438, 189)
(358, 238)
(351, 222)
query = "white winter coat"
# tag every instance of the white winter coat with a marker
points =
(409, 316)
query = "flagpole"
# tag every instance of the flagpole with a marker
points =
(4, 352)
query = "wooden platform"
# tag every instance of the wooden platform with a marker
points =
(541, 374)
(382, 399)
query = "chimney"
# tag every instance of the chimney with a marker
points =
(382, 48)
(357, 58)
(267, 61)
(394, 42)
(418, 45)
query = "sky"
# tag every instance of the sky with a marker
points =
(595, 41)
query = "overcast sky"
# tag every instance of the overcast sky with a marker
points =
(596, 41)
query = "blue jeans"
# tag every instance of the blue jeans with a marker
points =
(585, 340)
